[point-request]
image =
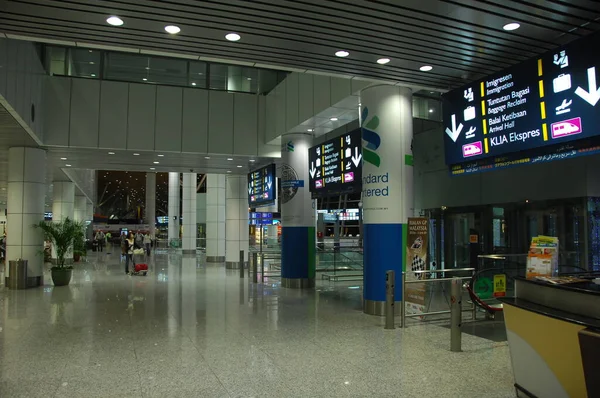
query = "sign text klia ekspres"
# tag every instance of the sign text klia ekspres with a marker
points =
(546, 101)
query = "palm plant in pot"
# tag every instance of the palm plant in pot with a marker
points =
(79, 250)
(62, 235)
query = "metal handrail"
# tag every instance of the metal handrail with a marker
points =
(403, 314)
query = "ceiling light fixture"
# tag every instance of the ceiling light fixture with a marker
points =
(63, 158)
(233, 36)
(310, 130)
(207, 157)
(334, 119)
(172, 29)
(252, 160)
(161, 156)
(156, 162)
(111, 153)
(114, 21)
(93, 75)
(68, 165)
(431, 111)
(152, 168)
(136, 154)
(511, 26)
(229, 171)
(239, 166)
(230, 159)
(383, 61)
(426, 68)
(193, 83)
(342, 53)
(144, 79)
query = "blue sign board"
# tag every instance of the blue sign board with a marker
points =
(262, 187)
(545, 102)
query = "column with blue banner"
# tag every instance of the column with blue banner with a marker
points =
(387, 197)
(298, 255)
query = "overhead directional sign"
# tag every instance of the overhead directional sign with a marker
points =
(262, 187)
(543, 102)
(335, 166)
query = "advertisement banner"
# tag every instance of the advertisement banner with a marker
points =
(416, 260)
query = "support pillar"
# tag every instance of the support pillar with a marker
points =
(236, 227)
(298, 256)
(63, 207)
(386, 122)
(215, 218)
(188, 214)
(173, 206)
(25, 208)
(150, 211)
(79, 213)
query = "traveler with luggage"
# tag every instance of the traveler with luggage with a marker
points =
(101, 239)
(129, 247)
(147, 243)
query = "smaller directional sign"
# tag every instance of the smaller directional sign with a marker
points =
(261, 186)
(335, 166)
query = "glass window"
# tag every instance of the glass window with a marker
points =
(142, 68)
(84, 63)
(197, 74)
(55, 61)
(427, 108)
(218, 77)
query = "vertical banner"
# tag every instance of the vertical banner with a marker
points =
(416, 260)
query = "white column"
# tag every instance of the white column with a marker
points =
(63, 200)
(387, 124)
(188, 213)
(236, 225)
(215, 218)
(25, 208)
(150, 210)
(80, 212)
(173, 206)
(89, 211)
(298, 255)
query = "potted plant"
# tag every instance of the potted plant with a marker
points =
(62, 234)
(79, 249)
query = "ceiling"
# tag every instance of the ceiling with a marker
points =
(462, 39)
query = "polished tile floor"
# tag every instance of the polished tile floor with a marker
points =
(194, 330)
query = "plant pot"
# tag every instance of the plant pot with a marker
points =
(61, 277)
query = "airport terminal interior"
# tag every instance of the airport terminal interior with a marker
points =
(299, 198)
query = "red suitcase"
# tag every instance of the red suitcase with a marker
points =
(141, 268)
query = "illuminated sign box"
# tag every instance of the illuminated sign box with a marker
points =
(262, 186)
(546, 102)
(335, 166)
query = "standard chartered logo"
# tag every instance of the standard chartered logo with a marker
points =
(371, 137)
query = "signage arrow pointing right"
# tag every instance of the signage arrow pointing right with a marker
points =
(312, 170)
(593, 94)
(454, 133)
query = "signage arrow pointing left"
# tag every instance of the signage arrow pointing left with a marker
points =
(455, 132)
(593, 94)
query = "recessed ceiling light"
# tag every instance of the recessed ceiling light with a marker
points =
(207, 157)
(310, 130)
(136, 154)
(334, 119)
(511, 26)
(239, 167)
(63, 158)
(426, 68)
(229, 171)
(93, 75)
(252, 160)
(91, 63)
(232, 36)
(68, 165)
(156, 162)
(152, 168)
(114, 21)
(383, 61)
(172, 29)
(431, 111)
(193, 83)
(111, 153)
(161, 156)
(144, 79)
(248, 78)
(342, 53)
(230, 159)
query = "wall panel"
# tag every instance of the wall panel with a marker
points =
(141, 117)
(195, 120)
(220, 122)
(168, 118)
(114, 104)
(85, 110)
(245, 124)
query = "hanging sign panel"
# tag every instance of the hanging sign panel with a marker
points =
(335, 166)
(545, 101)
(262, 189)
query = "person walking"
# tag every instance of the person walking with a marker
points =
(129, 246)
(101, 239)
(147, 243)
